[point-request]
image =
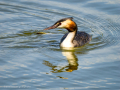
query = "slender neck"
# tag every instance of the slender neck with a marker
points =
(68, 41)
(72, 32)
(71, 35)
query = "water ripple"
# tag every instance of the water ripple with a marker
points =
(29, 60)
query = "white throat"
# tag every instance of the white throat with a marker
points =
(68, 41)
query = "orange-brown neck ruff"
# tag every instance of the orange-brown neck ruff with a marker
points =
(70, 25)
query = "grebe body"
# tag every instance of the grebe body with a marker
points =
(80, 39)
(73, 38)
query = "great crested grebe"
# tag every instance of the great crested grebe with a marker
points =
(73, 38)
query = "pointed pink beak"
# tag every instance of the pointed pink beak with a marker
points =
(51, 27)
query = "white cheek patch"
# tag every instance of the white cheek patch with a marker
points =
(64, 24)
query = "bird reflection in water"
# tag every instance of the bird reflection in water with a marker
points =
(72, 60)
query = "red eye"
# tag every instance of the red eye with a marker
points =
(59, 23)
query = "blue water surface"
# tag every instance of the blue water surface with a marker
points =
(36, 62)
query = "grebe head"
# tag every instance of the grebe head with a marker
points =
(66, 23)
